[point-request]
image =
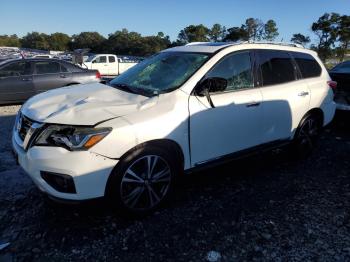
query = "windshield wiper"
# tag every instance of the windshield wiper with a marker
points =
(134, 90)
(124, 87)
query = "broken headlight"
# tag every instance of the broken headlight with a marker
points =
(70, 137)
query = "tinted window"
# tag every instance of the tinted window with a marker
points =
(46, 67)
(111, 59)
(236, 69)
(308, 66)
(276, 67)
(15, 69)
(101, 59)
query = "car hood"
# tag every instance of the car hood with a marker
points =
(87, 104)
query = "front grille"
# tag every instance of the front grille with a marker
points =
(25, 124)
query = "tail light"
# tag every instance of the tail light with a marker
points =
(98, 75)
(332, 84)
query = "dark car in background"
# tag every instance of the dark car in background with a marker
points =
(341, 74)
(20, 79)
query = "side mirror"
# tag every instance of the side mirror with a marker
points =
(211, 85)
(93, 61)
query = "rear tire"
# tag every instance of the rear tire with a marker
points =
(306, 136)
(143, 180)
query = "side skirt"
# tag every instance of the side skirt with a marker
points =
(238, 155)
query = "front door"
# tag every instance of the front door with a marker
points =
(100, 63)
(235, 122)
(16, 82)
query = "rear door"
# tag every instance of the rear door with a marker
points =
(100, 63)
(16, 82)
(112, 65)
(48, 75)
(286, 98)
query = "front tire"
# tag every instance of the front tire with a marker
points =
(143, 180)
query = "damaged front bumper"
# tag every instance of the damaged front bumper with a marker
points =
(88, 171)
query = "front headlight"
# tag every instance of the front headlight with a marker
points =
(70, 137)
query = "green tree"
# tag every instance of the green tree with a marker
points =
(59, 41)
(300, 39)
(236, 34)
(194, 33)
(92, 40)
(123, 42)
(10, 40)
(254, 28)
(326, 30)
(217, 33)
(343, 36)
(36, 40)
(270, 30)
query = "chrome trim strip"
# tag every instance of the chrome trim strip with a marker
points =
(30, 133)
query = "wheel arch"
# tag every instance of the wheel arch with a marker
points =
(312, 112)
(169, 144)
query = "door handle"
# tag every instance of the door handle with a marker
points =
(63, 76)
(26, 79)
(253, 104)
(303, 93)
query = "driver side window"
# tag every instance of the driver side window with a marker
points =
(15, 69)
(236, 69)
(101, 59)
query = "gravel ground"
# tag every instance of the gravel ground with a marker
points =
(263, 208)
(7, 119)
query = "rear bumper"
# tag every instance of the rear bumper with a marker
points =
(328, 112)
(90, 171)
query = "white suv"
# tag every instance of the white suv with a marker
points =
(182, 109)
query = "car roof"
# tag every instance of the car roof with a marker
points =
(213, 47)
(34, 59)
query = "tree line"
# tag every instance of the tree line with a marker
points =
(332, 31)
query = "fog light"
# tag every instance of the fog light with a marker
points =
(61, 182)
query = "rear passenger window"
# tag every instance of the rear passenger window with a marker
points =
(276, 67)
(46, 67)
(236, 69)
(111, 59)
(308, 66)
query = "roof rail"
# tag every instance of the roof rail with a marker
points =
(197, 43)
(277, 43)
(247, 42)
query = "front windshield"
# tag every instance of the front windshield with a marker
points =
(160, 73)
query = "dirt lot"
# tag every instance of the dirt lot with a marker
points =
(266, 207)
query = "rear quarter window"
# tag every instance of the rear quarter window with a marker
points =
(307, 64)
(276, 67)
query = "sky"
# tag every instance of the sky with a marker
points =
(149, 17)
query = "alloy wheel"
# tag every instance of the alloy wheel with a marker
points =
(145, 183)
(309, 132)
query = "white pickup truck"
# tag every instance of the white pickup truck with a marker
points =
(108, 64)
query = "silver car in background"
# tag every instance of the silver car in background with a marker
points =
(21, 79)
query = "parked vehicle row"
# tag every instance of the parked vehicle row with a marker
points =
(20, 79)
(180, 110)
